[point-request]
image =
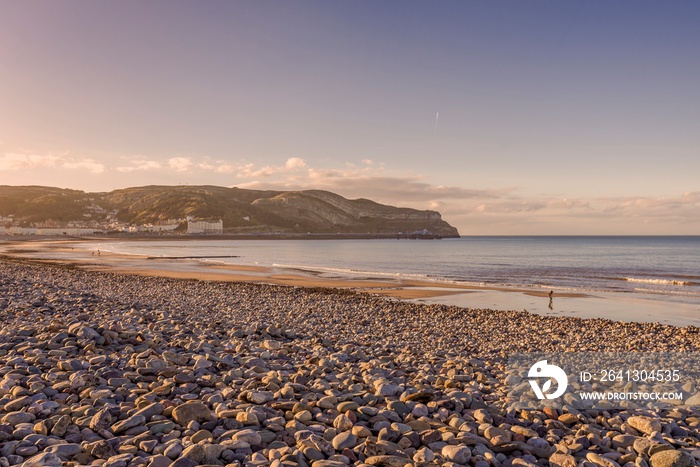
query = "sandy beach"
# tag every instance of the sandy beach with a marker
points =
(622, 307)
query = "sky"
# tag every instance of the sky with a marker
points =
(519, 117)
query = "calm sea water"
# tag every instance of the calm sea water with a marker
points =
(669, 266)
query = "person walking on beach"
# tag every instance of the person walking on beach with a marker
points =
(551, 299)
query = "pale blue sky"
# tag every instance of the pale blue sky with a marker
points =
(554, 116)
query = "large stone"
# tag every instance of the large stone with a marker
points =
(342, 422)
(15, 418)
(131, 422)
(100, 449)
(249, 436)
(201, 435)
(59, 428)
(328, 463)
(184, 462)
(457, 454)
(192, 411)
(388, 461)
(101, 420)
(388, 389)
(600, 461)
(559, 459)
(45, 459)
(344, 440)
(623, 441)
(194, 452)
(643, 424)
(347, 405)
(150, 410)
(671, 458)
(260, 397)
(120, 460)
(160, 461)
(66, 450)
(424, 455)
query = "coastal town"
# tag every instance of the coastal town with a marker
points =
(188, 225)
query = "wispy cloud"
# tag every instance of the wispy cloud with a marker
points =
(140, 165)
(14, 161)
(180, 164)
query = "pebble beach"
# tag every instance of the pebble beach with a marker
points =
(117, 370)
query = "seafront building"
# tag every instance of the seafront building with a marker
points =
(204, 226)
(80, 228)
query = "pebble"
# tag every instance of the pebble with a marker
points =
(125, 371)
(671, 458)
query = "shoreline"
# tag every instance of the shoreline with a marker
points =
(627, 307)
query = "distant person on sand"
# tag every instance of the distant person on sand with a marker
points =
(551, 299)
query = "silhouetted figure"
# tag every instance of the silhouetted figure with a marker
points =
(551, 299)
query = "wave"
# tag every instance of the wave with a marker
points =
(397, 275)
(660, 281)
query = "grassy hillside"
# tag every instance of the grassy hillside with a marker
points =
(241, 210)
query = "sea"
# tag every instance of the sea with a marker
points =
(667, 267)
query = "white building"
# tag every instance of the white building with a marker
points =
(22, 230)
(204, 227)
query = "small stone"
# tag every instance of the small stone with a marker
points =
(568, 419)
(562, 460)
(101, 420)
(201, 435)
(15, 418)
(424, 455)
(326, 463)
(342, 422)
(388, 461)
(388, 390)
(197, 411)
(249, 436)
(26, 451)
(347, 405)
(100, 449)
(131, 422)
(260, 397)
(173, 451)
(304, 416)
(194, 452)
(457, 454)
(344, 440)
(643, 424)
(160, 461)
(184, 462)
(482, 416)
(150, 410)
(66, 450)
(120, 460)
(600, 461)
(59, 428)
(623, 441)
